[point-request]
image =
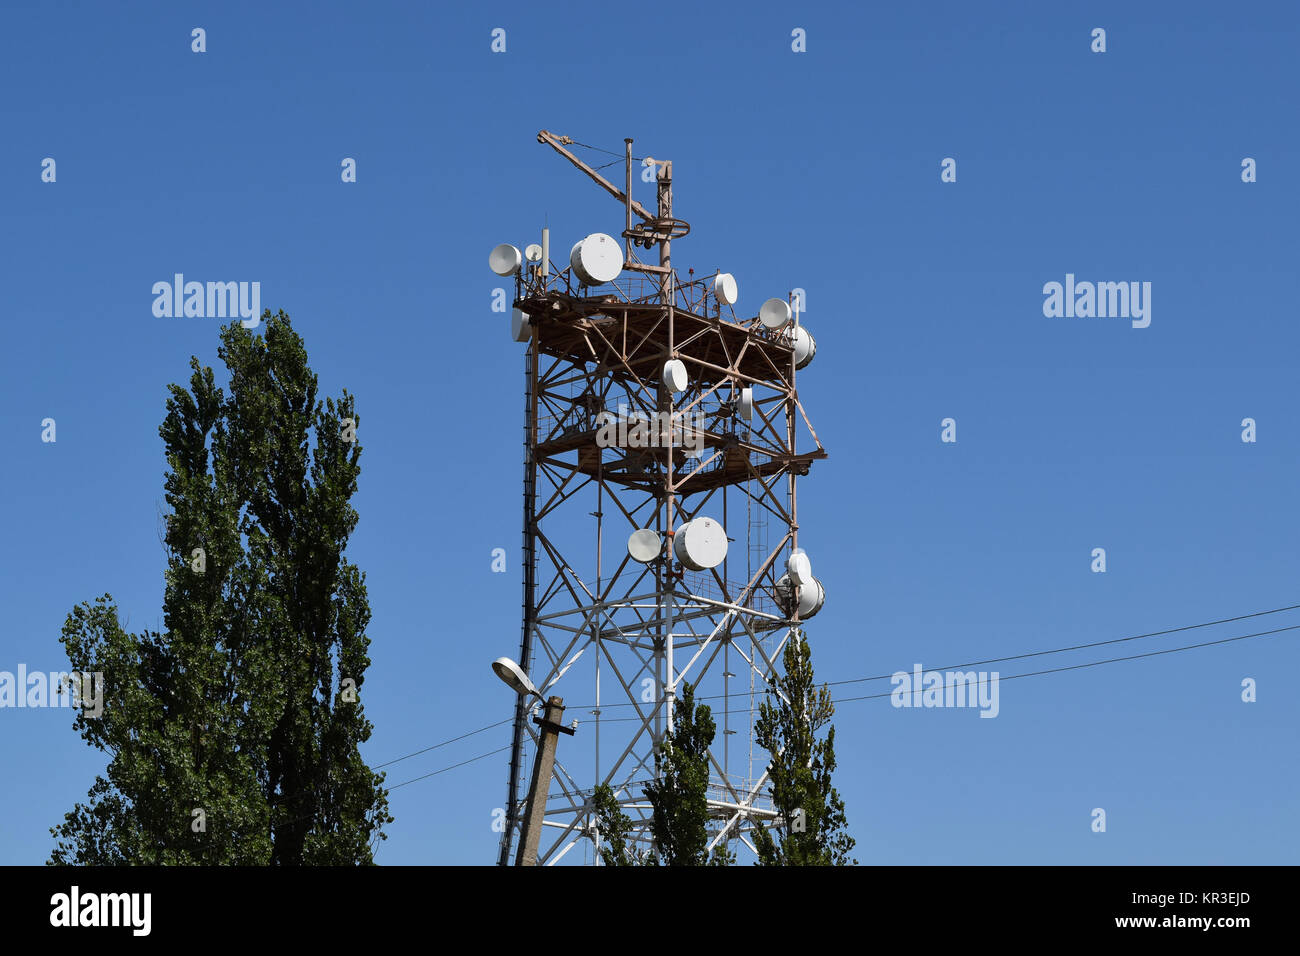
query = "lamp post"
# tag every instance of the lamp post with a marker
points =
(530, 837)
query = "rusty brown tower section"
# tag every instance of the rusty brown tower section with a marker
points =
(624, 634)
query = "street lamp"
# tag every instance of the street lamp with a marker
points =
(514, 677)
(530, 837)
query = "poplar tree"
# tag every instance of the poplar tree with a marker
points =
(613, 825)
(233, 733)
(678, 798)
(812, 827)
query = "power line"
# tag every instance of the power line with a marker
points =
(283, 798)
(1080, 647)
(443, 744)
(452, 767)
(844, 700)
(1016, 657)
(311, 816)
(858, 680)
(1112, 660)
(1056, 670)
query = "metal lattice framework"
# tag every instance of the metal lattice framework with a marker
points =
(616, 636)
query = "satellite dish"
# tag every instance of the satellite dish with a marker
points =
(533, 253)
(521, 330)
(644, 545)
(747, 403)
(725, 289)
(504, 260)
(811, 597)
(597, 259)
(800, 567)
(805, 347)
(700, 544)
(775, 314)
(675, 375)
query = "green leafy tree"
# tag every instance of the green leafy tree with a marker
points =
(614, 826)
(234, 733)
(812, 831)
(678, 799)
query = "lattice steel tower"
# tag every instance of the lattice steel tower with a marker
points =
(651, 403)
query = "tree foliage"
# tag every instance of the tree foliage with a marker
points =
(614, 827)
(234, 733)
(678, 799)
(812, 831)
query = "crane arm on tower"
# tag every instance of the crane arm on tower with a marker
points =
(557, 144)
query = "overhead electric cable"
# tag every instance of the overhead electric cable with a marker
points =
(1015, 657)
(445, 769)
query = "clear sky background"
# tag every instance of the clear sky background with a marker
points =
(818, 170)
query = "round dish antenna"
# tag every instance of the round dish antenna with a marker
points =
(700, 544)
(725, 289)
(597, 259)
(747, 403)
(811, 597)
(675, 375)
(799, 567)
(805, 347)
(644, 545)
(775, 314)
(521, 330)
(504, 259)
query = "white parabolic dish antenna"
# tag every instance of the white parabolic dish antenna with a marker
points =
(597, 259)
(775, 314)
(725, 289)
(700, 544)
(805, 347)
(675, 375)
(521, 330)
(799, 566)
(533, 253)
(504, 259)
(746, 403)
(644, 545)
(811, 597)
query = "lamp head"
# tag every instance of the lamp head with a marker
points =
(513, 675)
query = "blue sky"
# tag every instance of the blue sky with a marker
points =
(818, 170)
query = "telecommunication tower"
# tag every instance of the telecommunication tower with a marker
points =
(661, 536)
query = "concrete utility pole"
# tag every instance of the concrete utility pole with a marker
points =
(542, 770)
